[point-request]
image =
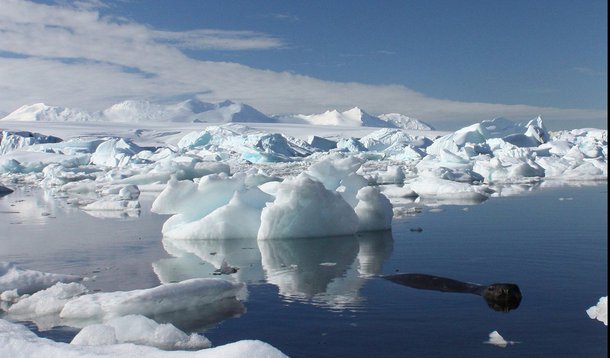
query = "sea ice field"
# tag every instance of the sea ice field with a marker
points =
(271, 237)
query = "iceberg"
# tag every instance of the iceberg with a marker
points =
(299, 203)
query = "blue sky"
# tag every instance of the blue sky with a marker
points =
(542, 53)
(435, 60)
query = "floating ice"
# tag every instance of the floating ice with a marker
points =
(17, 341)
(170, 297)
(374, 210)
(10, 141)
(114, 152)
(497, 340)
(46, 302)
(29, 281)
(253, 145)
(432, 187)
(224, 207)
(599, 311)
(303, 207)
(139, 330)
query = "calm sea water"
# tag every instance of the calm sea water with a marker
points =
(324, 297)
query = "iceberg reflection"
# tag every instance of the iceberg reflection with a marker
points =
(191, 256)
(327, 272)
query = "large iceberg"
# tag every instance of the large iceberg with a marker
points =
(329, 194)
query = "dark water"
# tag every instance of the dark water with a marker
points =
(323, 297)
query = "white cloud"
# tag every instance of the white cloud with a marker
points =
(218, 39)
(72, 56)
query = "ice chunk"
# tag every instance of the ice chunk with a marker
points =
(10, 141)
(334, 168)
(497, 340)
(305, 208)
(148, 302)
(43, 305)
(446, 189)
(599, 311)
(350, 145)
(240, 218)
(114, 152)
(29, 281)
(191, 202)
(139, 330)
(321, 143)
(374, 210)
(17, 341)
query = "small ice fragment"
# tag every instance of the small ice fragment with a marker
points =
(600, 311)
(497, 340)
(328, 263)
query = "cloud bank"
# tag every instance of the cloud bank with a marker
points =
(73, 56)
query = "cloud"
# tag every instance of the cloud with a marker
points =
(281, 17)
(73, 56)
(218, 40)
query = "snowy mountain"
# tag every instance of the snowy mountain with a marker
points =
(405, 122)
(353, 117)
(40, 112)
(192, 110)
(134, 111)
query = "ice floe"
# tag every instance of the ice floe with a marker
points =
(18, 341)
(599, 311)
(25, 281)
(140, 330)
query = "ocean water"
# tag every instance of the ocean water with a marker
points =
(327, 298)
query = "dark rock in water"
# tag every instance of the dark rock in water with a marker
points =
(498, 296)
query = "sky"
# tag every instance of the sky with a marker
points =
(439, 61)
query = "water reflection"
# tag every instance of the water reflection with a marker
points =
(113, 214)
(203, 317)
(450, 201)
(327, 272)
(498, 296)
